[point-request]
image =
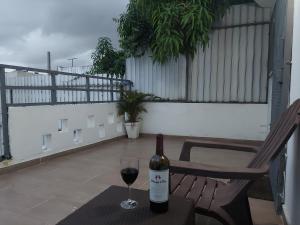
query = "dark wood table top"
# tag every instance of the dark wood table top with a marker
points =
(105, 209)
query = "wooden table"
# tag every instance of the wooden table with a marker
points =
(105, 209)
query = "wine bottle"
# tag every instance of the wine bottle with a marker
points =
(159, 178)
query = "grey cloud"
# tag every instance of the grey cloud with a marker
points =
(68, 28)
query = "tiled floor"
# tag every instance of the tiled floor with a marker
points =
(44, 194)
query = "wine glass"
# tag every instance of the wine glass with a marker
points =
(129, 172)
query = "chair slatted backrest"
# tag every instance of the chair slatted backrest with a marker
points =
(275, 141)
(278, 136)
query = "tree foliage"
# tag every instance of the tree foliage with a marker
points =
(168, 27)
(107, 60)
(135, 31)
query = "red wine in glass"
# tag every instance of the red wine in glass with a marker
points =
(129, 172)
(129, 175)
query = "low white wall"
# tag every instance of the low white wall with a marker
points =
(292, 184)
(246, 121)
(28, 124)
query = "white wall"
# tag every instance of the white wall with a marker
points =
(292, 186)
(247, 121)
(28, 124)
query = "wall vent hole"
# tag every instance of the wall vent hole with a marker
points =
(101, 131)
(63, 125)
(77, 136)
(46, 142)
(111, 118)
(91, 121)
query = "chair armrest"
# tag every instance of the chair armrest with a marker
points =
(222, 143)
(198, 169)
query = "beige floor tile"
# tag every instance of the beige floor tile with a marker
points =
(46, 193)
(17, 202)
(9, 218)
(263, 212)
(53, 210)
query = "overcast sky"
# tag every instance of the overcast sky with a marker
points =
(67, 28)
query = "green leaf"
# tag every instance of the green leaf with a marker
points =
(168, 27)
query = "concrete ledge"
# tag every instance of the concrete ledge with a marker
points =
(189, 137)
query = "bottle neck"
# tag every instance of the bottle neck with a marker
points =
(159, 144)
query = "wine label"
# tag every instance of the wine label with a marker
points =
(159, 185)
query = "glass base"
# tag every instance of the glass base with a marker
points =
(129, 204)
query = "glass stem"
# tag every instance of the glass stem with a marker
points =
(129, 192)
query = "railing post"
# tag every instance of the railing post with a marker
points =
(11, 94)
(4, 111)
(88, 95)
(111, 90)
(53, 89)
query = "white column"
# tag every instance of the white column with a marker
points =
(292, 187)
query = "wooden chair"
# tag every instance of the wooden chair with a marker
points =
(228, 202)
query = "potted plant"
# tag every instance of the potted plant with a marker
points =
(131, 105)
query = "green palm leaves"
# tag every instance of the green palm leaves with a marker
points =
(132, 103)
(168, 27)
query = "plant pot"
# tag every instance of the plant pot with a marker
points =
(133, 129)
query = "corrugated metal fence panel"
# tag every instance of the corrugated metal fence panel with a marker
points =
(232, 68)
(166, 80)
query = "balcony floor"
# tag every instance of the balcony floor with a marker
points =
(46, 193)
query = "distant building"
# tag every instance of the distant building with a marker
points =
(75, 69)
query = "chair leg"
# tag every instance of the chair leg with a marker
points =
(185, 152)
(248, 211)
(235, 213)
(240, 212)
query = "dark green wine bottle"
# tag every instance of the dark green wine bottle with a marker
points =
(159, 178)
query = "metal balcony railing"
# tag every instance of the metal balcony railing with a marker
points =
(24, 86)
